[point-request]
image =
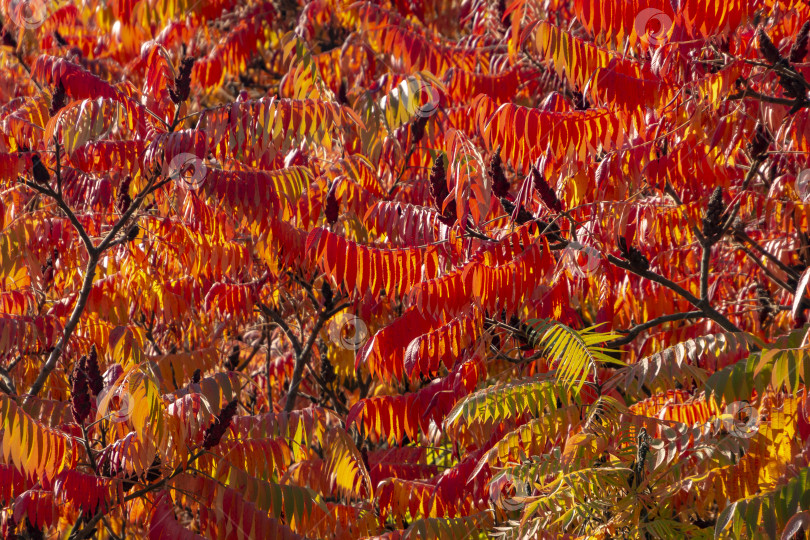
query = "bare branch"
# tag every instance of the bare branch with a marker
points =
(638, 329)
(84, 294)
(303, 357)
(704, 306)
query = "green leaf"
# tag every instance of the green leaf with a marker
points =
(575, 351)
(498, 403)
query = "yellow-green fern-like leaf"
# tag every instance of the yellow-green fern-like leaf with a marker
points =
(576, 352)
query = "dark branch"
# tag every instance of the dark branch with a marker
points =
(707, 310)
(638, 329)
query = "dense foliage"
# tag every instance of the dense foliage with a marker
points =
(406, 268)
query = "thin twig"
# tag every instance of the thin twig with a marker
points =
(705, 263)
(638, 329)
(70, 326)
(748, 93)
(704, 306)
(767, 271)
(94, 255)
(742, 237)
(303, 357)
